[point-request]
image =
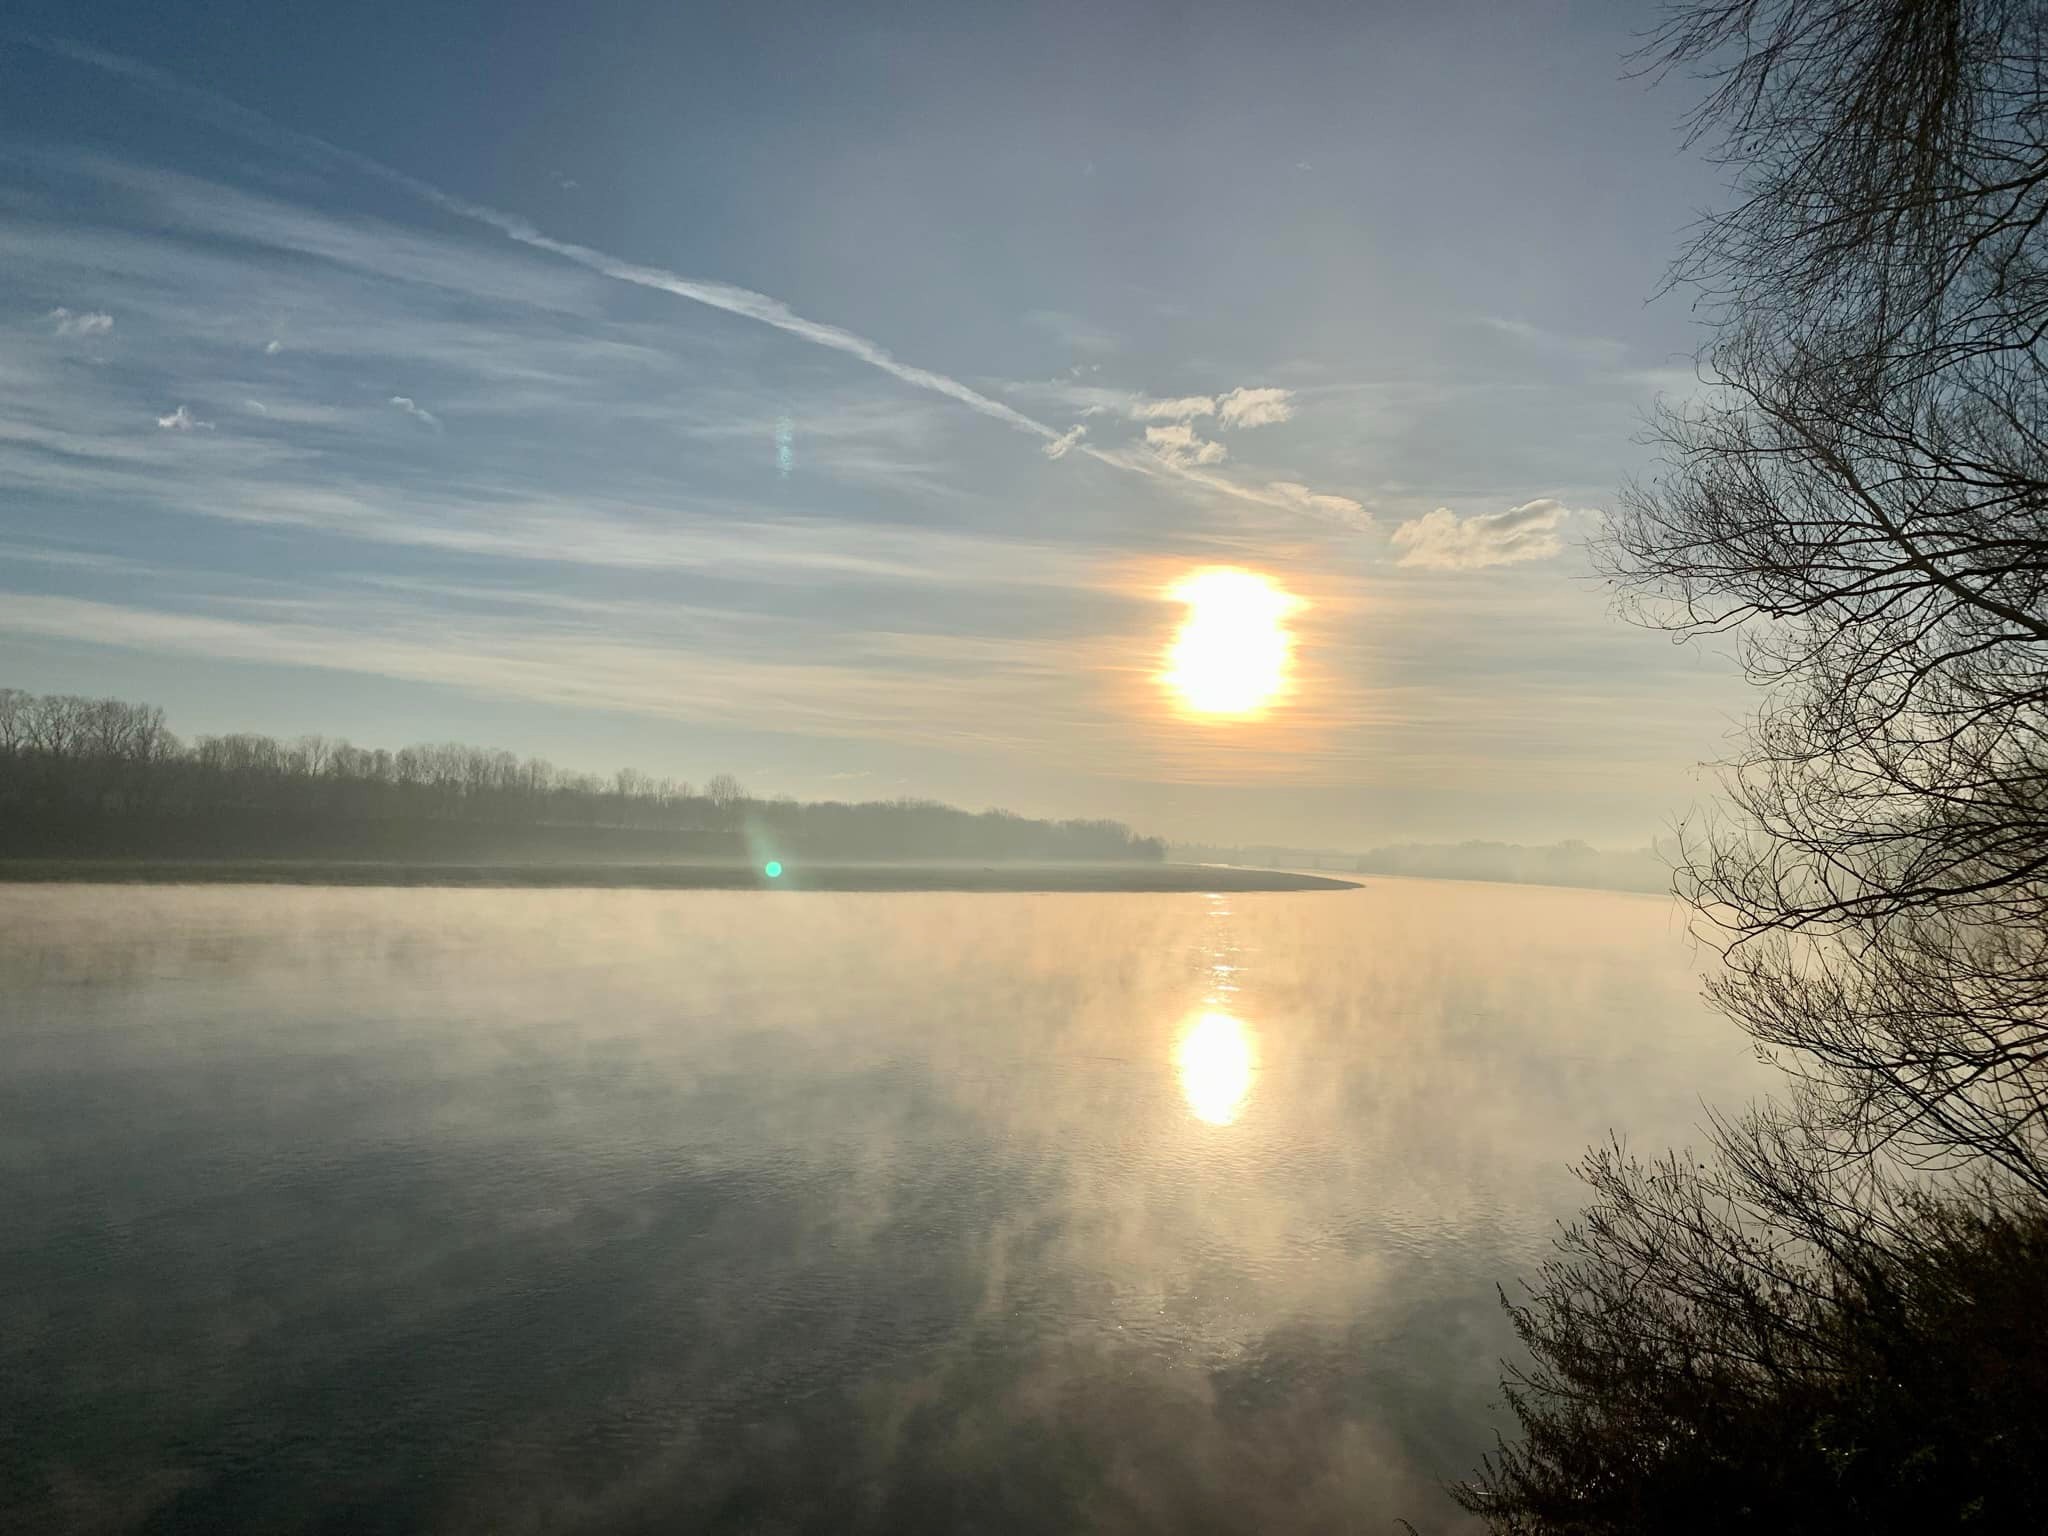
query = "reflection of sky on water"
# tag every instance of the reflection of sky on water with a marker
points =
(621, 1211)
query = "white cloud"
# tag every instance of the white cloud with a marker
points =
(1256, 407)
(1444, 541)
(1178, 445)
(257, 406)
(412, 408)
(70, 322)
(1340, 509)
(1103, 400)
(1144, 408)
(272, 348)
(182, 420)
(1057, 448)
(1241, 407)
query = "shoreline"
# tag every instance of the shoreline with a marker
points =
(725, 876)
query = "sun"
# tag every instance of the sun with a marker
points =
(1231, 656)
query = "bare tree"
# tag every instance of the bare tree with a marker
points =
(1861, 494)
(103, 774)
(1806, 1331)
(1732, 1346)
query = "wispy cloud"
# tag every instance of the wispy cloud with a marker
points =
(716, 668)
(413, 408)
(272, 348)
(70, 322)
(1598, 351)
(1072, 330)
(1282, 495)
(1178, 444)
(1339, 509)
(725, 296)
(182, 420)
(1444, 541)
(728, 297)
(1058, 447)
(1240, 407)
(1255, 407)
(1182, 408)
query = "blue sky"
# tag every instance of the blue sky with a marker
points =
(830, 394)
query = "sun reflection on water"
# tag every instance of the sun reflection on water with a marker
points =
(1215, 1060)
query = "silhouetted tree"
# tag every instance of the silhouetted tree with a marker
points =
(1807, 1332)
(100, 774)
(1862, 494)
(1733, 1347)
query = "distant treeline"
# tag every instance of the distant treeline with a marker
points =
(102, 778)
(1567, 863)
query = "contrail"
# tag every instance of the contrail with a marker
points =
(735, 301)
(729, 297)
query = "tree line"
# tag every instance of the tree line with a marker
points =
(108, 777)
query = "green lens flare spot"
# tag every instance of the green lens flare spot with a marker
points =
(772, 869)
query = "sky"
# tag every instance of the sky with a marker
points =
(835, 396)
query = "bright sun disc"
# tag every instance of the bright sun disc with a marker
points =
(1231, 656)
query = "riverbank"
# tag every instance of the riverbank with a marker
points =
(718, 876)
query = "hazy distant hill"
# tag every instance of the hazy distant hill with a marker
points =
(1568, 863)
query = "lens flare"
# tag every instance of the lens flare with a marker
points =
(1232, 654)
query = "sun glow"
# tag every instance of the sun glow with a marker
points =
(1231, 655)
(1215, 1060)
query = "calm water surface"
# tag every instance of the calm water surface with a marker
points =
(366, 1211)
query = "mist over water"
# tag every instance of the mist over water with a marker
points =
(401, 1210)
